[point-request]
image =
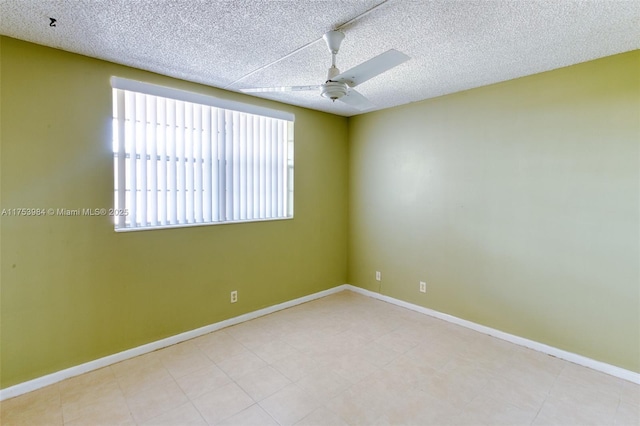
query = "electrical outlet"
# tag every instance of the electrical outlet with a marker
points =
(234, 296)
(378, 276)
(423, 287)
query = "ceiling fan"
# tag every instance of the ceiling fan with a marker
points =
(339, 86)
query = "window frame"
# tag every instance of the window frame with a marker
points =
(229, 106)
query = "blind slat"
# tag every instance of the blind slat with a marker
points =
(172, 203)
(130, 111)
(121, 172)
(249, 166)
(234, 161)
(222, 175)
(262, 177)
(242, 169)
(197, 164)
(181, 185)
(152, 208)
(206, 165)
(188, 164)
(142, 140)
(256, 168)
(162, 161)
(273, 168)
(279, 148)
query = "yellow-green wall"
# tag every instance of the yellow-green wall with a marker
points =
(73, 290)
(517, 203)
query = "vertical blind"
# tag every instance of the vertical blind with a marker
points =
(179, 163)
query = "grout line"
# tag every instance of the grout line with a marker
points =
(555, 380)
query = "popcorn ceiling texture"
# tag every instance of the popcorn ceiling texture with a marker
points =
(454, 45)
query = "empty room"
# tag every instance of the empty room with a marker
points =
(339, 212)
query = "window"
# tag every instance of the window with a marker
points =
(185, 159)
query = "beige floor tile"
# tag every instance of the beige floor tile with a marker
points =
(408, 371)
(44, 398)
(630, 392)
(588, 377)
(74, 388)
(40, 407)
(336, 324)
(202, 381)
(219, 346)
(184, 359)
(274, 350)
(488, 353)
(350, 367)
(376, 354)
(323, 385)
(485, 410)
(431, 354)
(521, 395)
(398, 341)
(184, 415)
(222, 403)
(296, 366)
(289, 405)
(34, 418)
(241, 365)
(374, 394)
(133, 365)
(278, 327)
(627, 414)
(352, 409)
(368, 330)
(578, 409)
(263, 382)
(252, 416)
(419, 329)
(159, 400)
(569, 389)
(73, 408)
(349, 341)
(325, 353)
(178, 350)
(141, 373)
(458, 386)
(415, 407)
(322, 417)
(528, 375)
(251, 334)
(108, 411)
(307, 339)
(524, 357)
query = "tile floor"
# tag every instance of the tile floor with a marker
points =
(345, 359)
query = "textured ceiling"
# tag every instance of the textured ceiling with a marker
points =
(453, 45)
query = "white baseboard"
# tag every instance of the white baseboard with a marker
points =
(531, 344)
(58, 376)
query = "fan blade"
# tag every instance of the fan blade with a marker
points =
(357, 100)
(371, 68)
(280, 89)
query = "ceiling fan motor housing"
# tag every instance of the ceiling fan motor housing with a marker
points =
(334, 90)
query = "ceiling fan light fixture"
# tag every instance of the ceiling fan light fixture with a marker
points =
(333, 90)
